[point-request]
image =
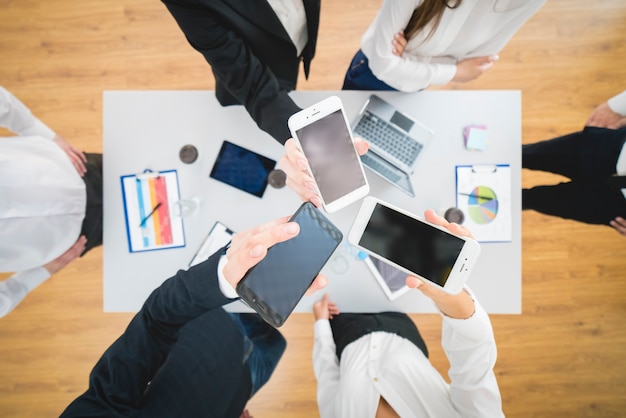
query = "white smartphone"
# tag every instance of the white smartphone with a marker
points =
(414, 245)
(323, 134)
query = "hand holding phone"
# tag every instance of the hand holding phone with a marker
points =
(296, 167)
(419, 248)
(323, 135)
(275, 285)
(249, 247)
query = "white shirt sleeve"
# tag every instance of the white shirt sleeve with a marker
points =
(226, 288)
(406, 73)
(16, 117)
(470, 347)
(618, 103)
(326, 368)
(16, 287)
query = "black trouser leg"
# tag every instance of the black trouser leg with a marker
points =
(589, 202)
(92, 224)
(589, 154)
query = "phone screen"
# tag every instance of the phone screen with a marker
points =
(335, 164)
(275, 285)
(414, 245)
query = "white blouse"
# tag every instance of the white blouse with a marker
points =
(476, 28)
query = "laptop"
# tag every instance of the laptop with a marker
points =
(396, 142)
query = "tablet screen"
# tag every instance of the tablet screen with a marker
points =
(243, 169)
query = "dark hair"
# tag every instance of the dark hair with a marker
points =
(428, 11)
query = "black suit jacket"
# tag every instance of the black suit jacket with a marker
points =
(181, 356)
(254, 61)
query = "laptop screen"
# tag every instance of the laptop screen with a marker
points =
(402, 121)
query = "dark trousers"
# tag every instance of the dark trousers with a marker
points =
(263, 347)
(360, 77)
(92, 224)
(588, 158)
(349, 327)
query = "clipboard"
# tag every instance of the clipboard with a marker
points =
(151, 223)
(483, 193)
(218, 237)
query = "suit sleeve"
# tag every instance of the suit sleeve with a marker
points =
(244, 75)
(122, 374)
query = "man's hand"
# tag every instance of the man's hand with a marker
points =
(472, 68)
(325, 309)
(603, 117)
(295, 165)
(619, 224)
(398, 43)
(249, 247)
(67, 257)
(77, 158)
(459, 306)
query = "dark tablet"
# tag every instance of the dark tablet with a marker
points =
(241, 168)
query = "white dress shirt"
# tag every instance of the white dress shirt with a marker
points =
(476, 28)
(384, 364)
(618, 105)
(42, 201)
(292, 15)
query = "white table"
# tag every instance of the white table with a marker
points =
(146, 129)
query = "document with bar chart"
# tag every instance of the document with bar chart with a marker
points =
(149, 200)
(483, 193)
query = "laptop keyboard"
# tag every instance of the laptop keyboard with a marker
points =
(382, 167)
(388, 138)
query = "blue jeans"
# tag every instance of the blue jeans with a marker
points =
(263, 347)
(360, 77)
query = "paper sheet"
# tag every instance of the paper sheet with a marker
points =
(483, 193)
(149, 200)
(218, 237)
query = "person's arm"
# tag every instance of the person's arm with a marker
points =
(17, 118)
(619, 224)
(122, 374)
(618, 103)
(405, 73)
(295, 164)
(245, 77)
(610, 114)
(14, 289)
(468, 341)
(325, 362)
(470, 346)
(120, 377)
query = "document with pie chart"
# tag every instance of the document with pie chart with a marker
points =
(483, 193)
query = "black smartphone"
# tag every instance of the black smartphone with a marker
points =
(241, 168)
(274, 287)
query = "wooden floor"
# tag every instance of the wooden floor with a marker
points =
(563, 357)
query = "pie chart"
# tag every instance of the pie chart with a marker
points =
(482, 205)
